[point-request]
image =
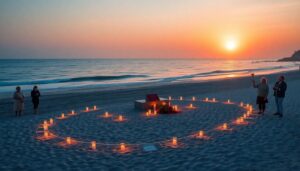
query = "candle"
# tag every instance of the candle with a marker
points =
(214, 99)
(206, 99)
(191, 106)
(73, 112)
(122, 147)
(45, 122)
(106, 114)
(51, 121)
(181, 98)
(194, 98)
(93, 145)
(46, 134)
(228, 101)
(201, 134)
(95, 107)
(87, 109)
(174, 141)
(120, 118)
(68, 140)
(225, 126)
(62, 115)
(170, 98)
(155, 112)
(241, 104)
(45, 126)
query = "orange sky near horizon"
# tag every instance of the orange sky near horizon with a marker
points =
(156, 29)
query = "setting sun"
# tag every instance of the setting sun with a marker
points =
(231, 45)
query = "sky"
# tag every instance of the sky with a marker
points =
(211, 29)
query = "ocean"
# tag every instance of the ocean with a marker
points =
(52, 74)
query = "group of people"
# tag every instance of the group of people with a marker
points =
(19, 99)
(263, 92)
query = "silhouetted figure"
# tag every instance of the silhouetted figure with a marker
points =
(279, 93)
(262, 94)
(18, 101)
(35, 96)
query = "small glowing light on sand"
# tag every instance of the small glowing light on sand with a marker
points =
(194, 98)
(248, 105)
(45, 122)
(51, 121)
(122, 147)
(214, 99)
(93, 145)
(46, 134)
(170, 98)
(228, 101)
(69, 140)
(206, 99)
(201, 134)
(106, 115)
(175, 108)
(95, 107)
(45, 126)
(174, 141)
(154, 112)
(120, 118)
(73, 112)
(87, 109)
(62, 115)
(181, 98)
(191, 106)
(241, 104)
(225, 126)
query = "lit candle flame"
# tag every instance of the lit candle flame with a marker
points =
(68, 140)
(170, 98)
(46, 134)
(206, 99)
(95, 107)
(201, 134)
(174, 141)
(62, 115)
(122, 147)
(181, 98)
(87, 109)
(241, 104)
(225, 126)
(214, 99)
(45, 126)
(93, 145)
(194, 98)
(51, 121)
(73, 112)
(120, 118)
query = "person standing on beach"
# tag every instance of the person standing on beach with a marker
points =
(279, 93)
(262, 93)
(18, 101)
(35, 96)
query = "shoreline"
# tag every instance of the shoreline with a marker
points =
(98, 95)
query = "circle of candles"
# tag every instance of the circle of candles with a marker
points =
(95, 107)
(122, 147)
(174, 141)
(68, 140)
(51, 121)
(93, 145)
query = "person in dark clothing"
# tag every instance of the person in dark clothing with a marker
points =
(35, 96)
(279, 93)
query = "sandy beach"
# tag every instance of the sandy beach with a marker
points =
(265, 143)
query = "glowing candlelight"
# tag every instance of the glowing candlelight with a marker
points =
(147, 114)
(122, 147)
(95, 107)
(45, 126)
(62, 115)
(191, 106)
(154, 107)
(181, 98)
(154, 112)
(174, 141)
(106, 114)
(51, 121)
(120, 118)
(214, 99)
(228, 101)
(247, 105)
(45, 122)
(93, 145)
(225, 126)
(194, 98)
(73, 112)
(206, 99)
(241, 104)
(68, 140)
(46, 134)
(170, 98)
(201, 134)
